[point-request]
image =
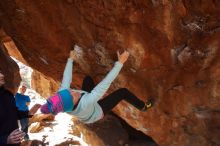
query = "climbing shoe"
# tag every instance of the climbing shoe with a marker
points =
(148, 104)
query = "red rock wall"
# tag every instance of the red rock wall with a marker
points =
(174, 48)
(43, 85)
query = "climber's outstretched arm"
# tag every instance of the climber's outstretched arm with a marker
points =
(67, 74)
(103, 86)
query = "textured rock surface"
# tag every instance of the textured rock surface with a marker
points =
(174, 48)
(43, 85)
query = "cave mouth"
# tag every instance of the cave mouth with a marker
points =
(136, 137)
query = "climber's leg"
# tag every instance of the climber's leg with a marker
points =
(109, 102)
(88, 84)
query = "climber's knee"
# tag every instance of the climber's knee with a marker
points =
(123, 90)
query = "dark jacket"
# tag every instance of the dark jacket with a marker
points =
(8, 115)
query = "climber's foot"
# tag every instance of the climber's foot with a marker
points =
(148, 104)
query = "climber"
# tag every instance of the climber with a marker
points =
(87, 104)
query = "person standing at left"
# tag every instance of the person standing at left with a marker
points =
(22, 103)
(9, 131)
